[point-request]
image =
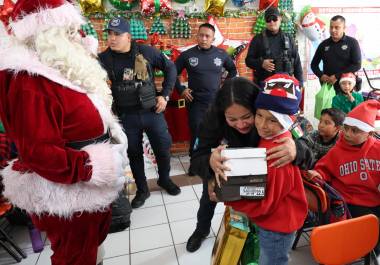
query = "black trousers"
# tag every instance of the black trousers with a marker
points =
(205, 212)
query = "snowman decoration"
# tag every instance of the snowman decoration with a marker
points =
(313, 28)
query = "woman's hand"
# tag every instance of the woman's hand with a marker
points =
(286, 152)
(216, 163)
(211, 191)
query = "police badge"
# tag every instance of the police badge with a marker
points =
(193, 61)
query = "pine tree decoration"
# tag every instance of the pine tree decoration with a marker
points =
(157, 26)
(138, 30)
(288, 17)
(180, 27)
(88, 28)
(260, 24)
(105, 33)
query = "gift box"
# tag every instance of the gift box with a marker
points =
(247, 177)
(231, 237)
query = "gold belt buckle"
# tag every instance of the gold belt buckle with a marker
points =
(181, 103)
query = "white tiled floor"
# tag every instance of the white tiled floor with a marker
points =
(158, 233)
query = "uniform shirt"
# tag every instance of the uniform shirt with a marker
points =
(354, 171)
(257, 53)
(120, 66)
(284, 207)
(342, 102)
(339, 57)
(204, 69)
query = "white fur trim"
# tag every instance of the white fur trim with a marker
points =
(377, 125)
(38, 195)
(358, 123)
(352, 80)
(65, 15)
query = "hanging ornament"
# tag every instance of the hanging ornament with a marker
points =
(215, 7)
(5, 11)
(151, 7)
(180, 27)
(91, 6)
(241, 3)
(123, 4)
(288, 17)
(260, 24)
(313, 28)
(138, 30)
(157, 26)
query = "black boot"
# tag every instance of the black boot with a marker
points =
(169, 186)
(195, 240)
(140, 198)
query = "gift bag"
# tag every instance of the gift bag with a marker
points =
(323, 99)
(251, 250)
(231, 237)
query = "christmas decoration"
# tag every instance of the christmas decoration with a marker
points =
(313, 28)
(123, 4)
(105, 33)
(5, 11)
(148, 151)
(288, 16)
(150, 7)
(138, 29)
(182, 1)
(89, 30)
(241, 3)
(215, 7)
(157, 26)
(91, 6)
(180, 27)
(264, 4)
(260, 24)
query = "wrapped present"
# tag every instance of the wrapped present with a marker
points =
(244, 180)
(231, 237)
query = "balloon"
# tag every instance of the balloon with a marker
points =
(91, 6)
(151, 7)
(123, 4)
(215, 7)
(313, 28)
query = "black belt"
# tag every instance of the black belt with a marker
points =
(180, 103)
(80, 144)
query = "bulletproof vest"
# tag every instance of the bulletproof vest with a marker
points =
(135, 93)
(284, 63)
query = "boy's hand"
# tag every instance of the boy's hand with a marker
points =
(310, 174)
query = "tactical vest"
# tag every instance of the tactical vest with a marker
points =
(135, 93)
(284, 63)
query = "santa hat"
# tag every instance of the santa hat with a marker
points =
(348, 77)
(364, 116)
(377, 122)
(32, 16)
(281, 96)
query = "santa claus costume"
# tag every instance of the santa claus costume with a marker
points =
(56, 106)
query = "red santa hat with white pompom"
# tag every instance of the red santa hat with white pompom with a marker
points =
(365, 116)
(32, 16)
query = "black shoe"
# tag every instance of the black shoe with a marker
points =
(195, 241)
(170, 187)
(139, 199)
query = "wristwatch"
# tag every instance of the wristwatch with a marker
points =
(166, 98)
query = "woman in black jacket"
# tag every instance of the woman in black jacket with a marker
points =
(221, 126)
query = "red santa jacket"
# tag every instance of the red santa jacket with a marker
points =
(353, 171)
(284, 208)
(41, 112)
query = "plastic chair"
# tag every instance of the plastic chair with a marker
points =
(317, 205)
(5, 241)
(346, 241)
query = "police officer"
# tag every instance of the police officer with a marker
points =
(140, 108)
(205, 65)
(273, 51)
(339, 53)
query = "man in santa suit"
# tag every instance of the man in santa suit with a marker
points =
(56, 107)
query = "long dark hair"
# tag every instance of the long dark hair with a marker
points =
(237, 90)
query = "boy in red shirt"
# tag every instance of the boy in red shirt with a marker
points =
(282, 212)
(352, 166)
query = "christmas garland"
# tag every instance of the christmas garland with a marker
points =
(202, 15)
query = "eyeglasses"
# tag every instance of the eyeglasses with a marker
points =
(271, 18)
